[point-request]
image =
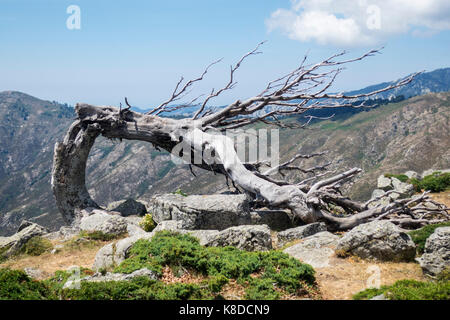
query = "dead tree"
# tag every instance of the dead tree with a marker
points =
(302, 90)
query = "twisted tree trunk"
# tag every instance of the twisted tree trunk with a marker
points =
(293, 94)
(68, 175)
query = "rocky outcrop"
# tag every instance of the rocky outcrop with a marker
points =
(315, 250)
(300, 232)
(101, 221)
(12, 245)
(436, 257)
(377, 240)
(129, 207)
(206, 212)
(403, 189)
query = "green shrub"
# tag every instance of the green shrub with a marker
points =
(444, 275)
(17, 285)
(421, 235)
(215, 284)
(3, 253)
(409, 290)
(180, 192)
(141, 288)
(436, 182)
(175, 250)
(416, 183)
(37, 246)
(98, 236)
(147, 223)
(262, 289)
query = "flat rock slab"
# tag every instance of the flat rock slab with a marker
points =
(300, 232)
(315, 250)
(208, 212)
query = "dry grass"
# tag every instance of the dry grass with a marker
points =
(442, 197)
(233, 291)
(345, 277)
(186, 276)
(82, 256)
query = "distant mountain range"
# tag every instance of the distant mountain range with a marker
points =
(391, 138)
(427, 82)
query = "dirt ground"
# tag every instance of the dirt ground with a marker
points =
(442, 197)
(346, 277)
(49, 263)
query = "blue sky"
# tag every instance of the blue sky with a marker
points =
(139, 49)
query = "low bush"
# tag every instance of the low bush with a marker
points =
(37, 246)
(141, 288)
(17, 285)
(180, 192)
(98, 236)
(165, 248)
(436, 182)
(421, 235)
(147, 223)
(409, 290)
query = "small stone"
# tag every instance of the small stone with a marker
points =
(412, 174)
(384, 183)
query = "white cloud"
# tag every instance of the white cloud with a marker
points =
(359, 22)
